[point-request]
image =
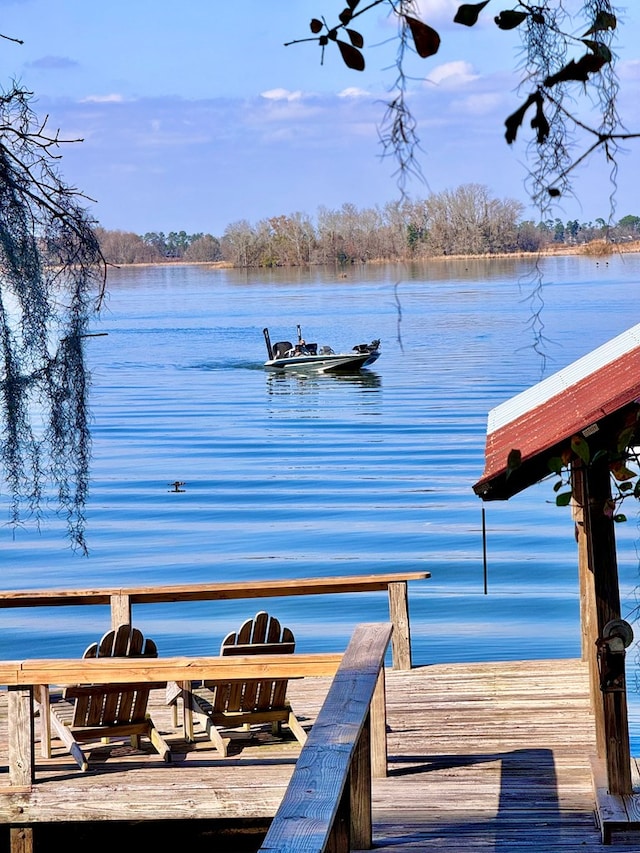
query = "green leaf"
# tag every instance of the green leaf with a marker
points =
(557, 486)
(603, 21)
(600, 454)
(425, 38)
(620, 517)
(624, 439)
(514, 459)
(581, 448)
(352, 57)
(468, 13)
(564, 499)
(510, 19)
(555, 464)
(626, 486)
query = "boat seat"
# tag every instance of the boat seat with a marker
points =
(280, 348)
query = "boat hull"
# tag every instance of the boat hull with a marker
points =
(334, 363)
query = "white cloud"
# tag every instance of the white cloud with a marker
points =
(438, 11)
(480, 104)
(281, 95)
(353, 92)
(452, 75)
(52, 63)
(103, 99)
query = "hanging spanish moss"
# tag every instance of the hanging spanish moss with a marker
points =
(52, 277)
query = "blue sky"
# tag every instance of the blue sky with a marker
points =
(196, 115)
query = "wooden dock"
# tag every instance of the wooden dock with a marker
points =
(486, 756)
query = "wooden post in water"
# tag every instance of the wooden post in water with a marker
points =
(599, 581)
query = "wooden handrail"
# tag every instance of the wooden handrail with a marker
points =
(206, 591)
(327, 804)
(124, 670)
(121, 599)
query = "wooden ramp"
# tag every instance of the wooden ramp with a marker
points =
(487, 757)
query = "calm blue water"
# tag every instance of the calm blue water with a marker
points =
(290, 476)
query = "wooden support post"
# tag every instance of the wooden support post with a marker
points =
(360, 796)
(588, 616)
(21, 839)
(120, 610)
(41, 696)
(339, 840)
(594, 495)
(20, 731)
(399, 615)
(379, 729)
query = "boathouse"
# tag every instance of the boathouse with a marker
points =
(582, 423)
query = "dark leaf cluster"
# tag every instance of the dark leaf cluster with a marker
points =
(548, 69)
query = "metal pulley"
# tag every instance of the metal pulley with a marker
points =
(617, 635)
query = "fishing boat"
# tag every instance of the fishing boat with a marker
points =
(284, 355)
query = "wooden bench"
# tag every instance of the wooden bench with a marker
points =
(122, 599)
(327, 805)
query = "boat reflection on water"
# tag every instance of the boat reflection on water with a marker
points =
(303, 382)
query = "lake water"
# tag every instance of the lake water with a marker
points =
(288, 476)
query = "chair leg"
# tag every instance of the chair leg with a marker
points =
(296, 728)
(70, 742)
(205, 721)
(159, 743)
(173, 694)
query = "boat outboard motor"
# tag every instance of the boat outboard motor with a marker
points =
(372, 347)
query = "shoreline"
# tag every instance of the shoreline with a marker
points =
(595, 249)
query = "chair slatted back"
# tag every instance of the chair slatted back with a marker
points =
(115, 703)
(258, 636)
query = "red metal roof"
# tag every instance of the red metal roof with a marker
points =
(575, 400)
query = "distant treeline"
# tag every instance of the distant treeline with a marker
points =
(465, 221)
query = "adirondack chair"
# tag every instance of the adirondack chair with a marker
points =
(94, 712)
(218, 705)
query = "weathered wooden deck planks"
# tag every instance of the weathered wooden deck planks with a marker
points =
(484, 756)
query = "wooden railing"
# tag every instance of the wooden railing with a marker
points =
(331, 785)
(122, 599)
(22, 677)
(327, 804)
